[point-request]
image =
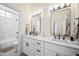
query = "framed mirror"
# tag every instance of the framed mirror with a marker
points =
(60, 22)
(36, 24)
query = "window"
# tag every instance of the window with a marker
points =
(8, 14)
(2, 12)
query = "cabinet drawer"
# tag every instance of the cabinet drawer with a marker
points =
(62, 49)
(39, 43)
(28, 40)
(39, 51)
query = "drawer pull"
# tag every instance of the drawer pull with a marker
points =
(27, 44)
(38, 50)
(38, 43)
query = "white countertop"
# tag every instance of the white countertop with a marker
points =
(55, 41)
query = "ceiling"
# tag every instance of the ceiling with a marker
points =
(16, 6)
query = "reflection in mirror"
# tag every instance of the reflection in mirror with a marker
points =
(36, 24)
(27, 29)
(60, 22)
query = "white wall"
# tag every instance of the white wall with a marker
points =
(45, 21)
(46, 16)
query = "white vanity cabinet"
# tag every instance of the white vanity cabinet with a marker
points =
(33, 47)
(44, 47)
(51, 50)
(59, 50)
(28, 46)
(39, 48)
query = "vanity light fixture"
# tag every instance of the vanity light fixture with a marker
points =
(36, 13)
(59, 6)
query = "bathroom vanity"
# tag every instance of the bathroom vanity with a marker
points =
(48, 46)
(60, 25)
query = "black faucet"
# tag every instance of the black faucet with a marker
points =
(59, 36)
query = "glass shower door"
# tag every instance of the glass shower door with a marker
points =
(9, 35)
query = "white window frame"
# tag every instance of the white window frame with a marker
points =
(8, 14)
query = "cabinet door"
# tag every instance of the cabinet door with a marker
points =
(28, 48)
(49, 52)
(62, 50)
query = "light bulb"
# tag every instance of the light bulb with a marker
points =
(62, 5)
(51, 8)
(39, 12)
(56, 6)
(67, 4)
(33, 14)
(36, 13)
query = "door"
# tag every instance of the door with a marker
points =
(8, 27)
(12, 26)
